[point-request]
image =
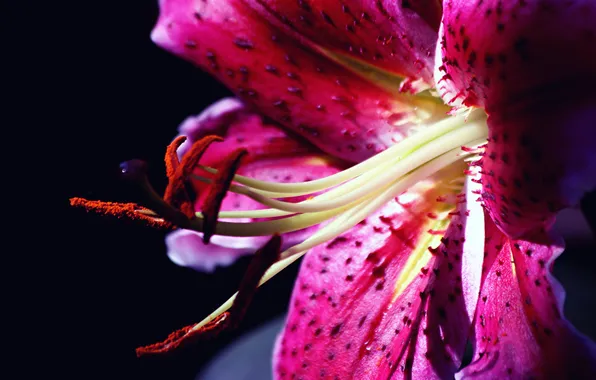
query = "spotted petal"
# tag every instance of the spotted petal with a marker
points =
(494, 53)
(334, 108)
(395, 36)
(274, 155)
(387, 299)
(520, 331)
(529, 63)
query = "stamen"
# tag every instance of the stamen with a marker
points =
(135, 171)
(176, 194)
(405, 147)
(262, 261)
(345, 221)
(381, 176)
(171, 157)
(130, 211)
(217, 192)
(264, 258)
(186, 336)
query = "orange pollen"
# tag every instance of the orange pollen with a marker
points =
(130, 211)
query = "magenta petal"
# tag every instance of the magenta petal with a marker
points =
(496, 53)
(353, 314)
(334, 108)
(520, 330)
(396, 36)
(530, 65)
(186, 248)
(241, 127)
(537, 162)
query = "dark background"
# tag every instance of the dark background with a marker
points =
(91, 90)
(109, 95)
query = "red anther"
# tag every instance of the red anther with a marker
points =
(171, 157)
(217, 192)
(176, 194)
(185, 336)
(131, 211)
(262, 260)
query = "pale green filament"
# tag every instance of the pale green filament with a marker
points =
(350, 218)
(346, 196)
(405, 147)
(379, 177)
(349, 196)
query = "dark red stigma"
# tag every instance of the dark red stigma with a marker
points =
(176, 208)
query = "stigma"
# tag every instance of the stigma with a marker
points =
(336, 203)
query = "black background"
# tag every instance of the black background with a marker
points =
(91, 90)
(99, 92)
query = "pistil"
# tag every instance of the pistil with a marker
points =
(337, 202)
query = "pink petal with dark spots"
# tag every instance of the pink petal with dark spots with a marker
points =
(274, 155)
(531, 65)
(241, 127)
(538, 161)
(362, 309)
(520, 330)
(495, 53)
(396, 36)
(301, 89)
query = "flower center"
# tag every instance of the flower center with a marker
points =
(337, 202)
(348, 197)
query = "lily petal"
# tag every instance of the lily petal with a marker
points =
(306, 92)
(493, 53)
(537, 162)
(383, 300)
(273, 155)
(529, 63)
(520, 329)
(398, 37)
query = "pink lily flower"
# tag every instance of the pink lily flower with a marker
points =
(424, 226)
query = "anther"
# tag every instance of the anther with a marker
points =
(130, 211)
(262, 260)
(176, 194)
(217, 192)
(186, 336)
(171, 158)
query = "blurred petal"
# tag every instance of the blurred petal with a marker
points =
(395, 36)
(274, 155)
(386, 299)
(306, 92)
(520, 330)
